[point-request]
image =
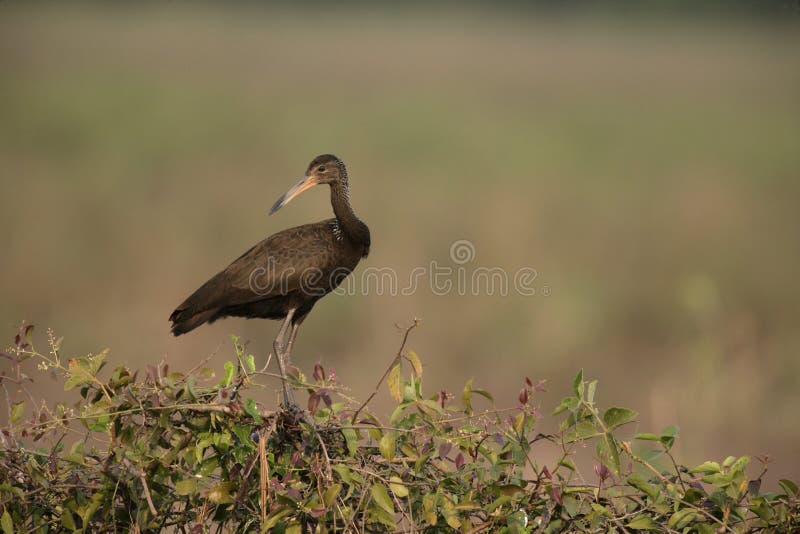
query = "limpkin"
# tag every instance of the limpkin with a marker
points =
(283, 276)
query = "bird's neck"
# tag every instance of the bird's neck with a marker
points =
(350, 224)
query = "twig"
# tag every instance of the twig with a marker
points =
(202, 363)
(627, 447)
(677, 471)
(481, 527)
(266, 365)
(328, 470)
(263, 475)
(245, 479)
(147, 494)
(388, 369)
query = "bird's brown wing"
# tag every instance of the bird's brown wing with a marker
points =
(272, 268)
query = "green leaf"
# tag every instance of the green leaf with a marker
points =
(609, 446)
(483, 393)
(567, 403)
(274, 517)
(345, 473)
(83, 370)
(583, 430)
(329, 498)
(577, 384)
(707, 468)
(416, 363)
(671, 431)
(351, 438)
(252, 410)
(398, 412)
(740, 464)
(410, 390)
(67, 520)
(243, 433)
(642, 485)
(647, 437)
(186, 486)
(642, 522)
(450, 513)
(668, 436)
(251, 363)
(497, 503)
(388, 445)
(570, 505)
(615, 416)
(519, 423)
(190, 388)
(466, 397)
(681, 519)
(381, 497)
(430, 407)
(397, 486)
(229, 371)
(429, 507)
(6, 523)
(507, 489)
(590, 391)
(602, 510)
(566, 462)
(381, 516)
(651, 455)
(17, 410)
(789, 487)
(393, 382)
(221, 493)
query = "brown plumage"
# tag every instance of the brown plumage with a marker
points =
(283, 276)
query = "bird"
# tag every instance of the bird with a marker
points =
(283, 276)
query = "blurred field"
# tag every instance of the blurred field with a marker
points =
(649, 174)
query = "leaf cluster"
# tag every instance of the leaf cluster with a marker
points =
(189, 452)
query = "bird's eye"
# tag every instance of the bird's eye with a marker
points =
(321, 168)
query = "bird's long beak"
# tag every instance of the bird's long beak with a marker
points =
(303, 185)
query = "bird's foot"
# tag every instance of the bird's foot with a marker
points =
(299, 415)
(288, 396)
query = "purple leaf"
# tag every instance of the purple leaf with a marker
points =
(319, 373)
(601, 471)
(442, 399)
(555, 492)
(313, 403)
(459, 461)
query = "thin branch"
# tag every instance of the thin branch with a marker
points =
(388, 369)
(264, 484)
(147, 494)
(627, 447)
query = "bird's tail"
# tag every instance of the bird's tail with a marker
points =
(184, 320)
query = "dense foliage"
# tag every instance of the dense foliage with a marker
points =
(189, 452)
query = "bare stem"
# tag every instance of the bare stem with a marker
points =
(388, 369)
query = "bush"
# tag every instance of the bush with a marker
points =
(161, 449)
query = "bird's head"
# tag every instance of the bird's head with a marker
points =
(325, 169)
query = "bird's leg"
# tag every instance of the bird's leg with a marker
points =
(292, 336)
(308, 418)
(288, 395)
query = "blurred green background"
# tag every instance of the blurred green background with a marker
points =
(647, 168)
